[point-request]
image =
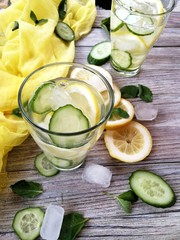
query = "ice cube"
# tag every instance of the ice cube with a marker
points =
(52, 222)
(145, 111)
(97, 174)
(59, 97)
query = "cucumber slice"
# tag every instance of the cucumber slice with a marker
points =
(27, 223)
(44, 167)
(64, 31)
(116, 23)
(117, 18)
(122, 59)
(139, 25)
(61, 163)
(39, 102)
(100, 53)
(152, 189)
(68, 119)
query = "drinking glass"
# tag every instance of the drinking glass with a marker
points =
(66, 107)
(135, 27)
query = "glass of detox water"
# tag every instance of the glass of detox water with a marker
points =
(66, 107)
(135, 27)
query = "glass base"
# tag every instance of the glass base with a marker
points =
(126, 73)
(63, 164)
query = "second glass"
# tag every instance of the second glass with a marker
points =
(135, 27)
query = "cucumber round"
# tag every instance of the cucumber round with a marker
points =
(61, 163)
(64, 31)
(152, 189)
(122, 59)
(141, 26)
(68, 119)
(100, 53)
(27, 223)
(44, 167)
(39, 102)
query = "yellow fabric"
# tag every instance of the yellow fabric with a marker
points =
(29, 47)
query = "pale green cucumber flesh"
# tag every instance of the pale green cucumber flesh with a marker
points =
(152, 189)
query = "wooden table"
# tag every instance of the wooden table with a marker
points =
(161, 72)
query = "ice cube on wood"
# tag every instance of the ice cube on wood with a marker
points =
(52, 222)
(145, 111)
(97, 174)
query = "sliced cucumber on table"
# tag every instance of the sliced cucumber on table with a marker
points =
(44, 167)
(64, 31)
(68, 119)
(152, 189)
(27, 223)
(100, 53)
(122, 59)
(39, 102)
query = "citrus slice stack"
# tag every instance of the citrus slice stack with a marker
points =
(130, 143)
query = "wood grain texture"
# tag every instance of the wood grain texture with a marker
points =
(161, 72)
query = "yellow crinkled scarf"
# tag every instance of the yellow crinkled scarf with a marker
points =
(27, 48)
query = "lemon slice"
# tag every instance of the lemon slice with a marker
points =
(130, 43)
(117, 95)
(87, 99)
(116, 121)
(130, 143)
(91, 78)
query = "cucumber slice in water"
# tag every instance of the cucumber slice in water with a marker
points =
(139, 25)
(122, 59)
(100, 53)
(68, 119)
(39, 102)
(61, 163)
(44, 167)
(27, 223)
(152, 189)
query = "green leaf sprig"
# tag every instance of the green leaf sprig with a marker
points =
(72, 225)
(36, 21)
(119, 112)
(17, 112)
(27, 189)
(62, 8)
(105, 24)
(16, 26)
(133, 91)
(125, 200)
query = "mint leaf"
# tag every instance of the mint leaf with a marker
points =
(17, 112)
(36, 21)
(16, 26)
(72, 225)
(120, 112)
(42, 21)
(27, 189)
(105, 24)
(62, 9)
(130, 91)
(145, 93)
(128, 196)
(33, 17)
(126, 205)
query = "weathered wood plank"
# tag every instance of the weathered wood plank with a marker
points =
(161, 72)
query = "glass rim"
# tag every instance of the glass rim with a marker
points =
(168, 10)
(102, 120)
